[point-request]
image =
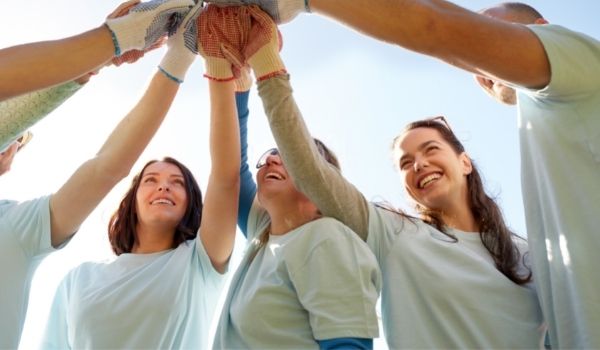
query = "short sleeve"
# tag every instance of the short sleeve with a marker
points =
(258, 220)
(30, 224)
(212, 277)
(338, 283)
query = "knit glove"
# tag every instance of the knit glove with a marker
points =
(183, 47)
(244, 80)
(281, 11)
(146, 23)
(264, 44)
(222, 36)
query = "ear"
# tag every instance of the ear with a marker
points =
(467, 165)
(486, 84)
(541, 21)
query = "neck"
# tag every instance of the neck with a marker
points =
(152, 239)
(285, 218)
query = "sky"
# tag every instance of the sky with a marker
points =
(355, 93)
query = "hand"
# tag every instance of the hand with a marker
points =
(183, 47)
(145, 23)
(223, 33)
(281, 11)
(264, 44)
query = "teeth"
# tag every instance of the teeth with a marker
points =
(162, 201)
(273, 176)
(428, 179)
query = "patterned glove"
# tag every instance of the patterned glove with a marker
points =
(183, 47)
(222, 36)
(281, 11)
(132, 56)
(146, 23)
(264, 44)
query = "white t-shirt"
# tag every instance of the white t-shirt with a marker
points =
(162, 300)
(560, 161)
(438, 293)
(316, 282)
(24, 238)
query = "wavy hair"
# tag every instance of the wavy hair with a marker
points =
(122, 225)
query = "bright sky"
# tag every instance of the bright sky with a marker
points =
(356, 94)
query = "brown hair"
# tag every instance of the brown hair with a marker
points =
(496, 237)
(122, 224)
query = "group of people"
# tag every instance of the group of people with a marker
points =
(319, 253)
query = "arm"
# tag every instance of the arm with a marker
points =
(219, 214)
(247, 184)
(24, 68)
(21, 112)
(76, 199)
(480, 44)
(321, 182)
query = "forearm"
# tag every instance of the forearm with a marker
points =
(35, 66)
(321, 182)
(247, 184)
(22, 112)
(221, 201)
(479, 44)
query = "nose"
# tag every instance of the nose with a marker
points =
(164, 186)
(273, 159)
(420, 163)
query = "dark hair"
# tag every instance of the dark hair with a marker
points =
(496, 237)
(330, 157)
(122, 224)
(523, 9)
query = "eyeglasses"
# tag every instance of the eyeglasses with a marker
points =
(262, 161)
(21, 141)
(441, 120)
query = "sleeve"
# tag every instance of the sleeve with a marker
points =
(573, 57)
(56, 335)
(213, 278)
(21, 112)
(30, 223)
(337, 281)
(322, 183)
(345, 343)
(247, 184)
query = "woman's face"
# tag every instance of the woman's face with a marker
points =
(273, 179)
(161, 198)
(434, 175)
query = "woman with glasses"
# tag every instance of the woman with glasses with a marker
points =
(454, 277)
(305, 281)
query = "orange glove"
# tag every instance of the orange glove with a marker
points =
(264, 44)
(222, 36)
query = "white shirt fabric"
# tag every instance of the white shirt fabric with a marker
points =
(24, 239)
(162, 300)
(560, 161)
(438, 293)
(316, 282)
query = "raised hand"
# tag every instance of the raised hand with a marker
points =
(281, 11)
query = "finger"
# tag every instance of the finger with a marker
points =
(123, 9)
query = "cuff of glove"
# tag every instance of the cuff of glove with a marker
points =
(266, 63)
(218, 69)
(176, 64)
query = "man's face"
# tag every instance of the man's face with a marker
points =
(6, 157)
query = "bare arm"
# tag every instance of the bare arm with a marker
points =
(313, 176)
(96, 177)
(219, 215)
(477, 43)
(35, 66)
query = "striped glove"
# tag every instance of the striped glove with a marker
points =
(281, 11)
(146, 23)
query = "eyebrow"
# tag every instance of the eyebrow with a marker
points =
(155, 174)
(421, 146)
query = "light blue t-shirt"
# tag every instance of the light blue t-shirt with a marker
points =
(162, 300)
(24, 238)
(560, 161)
(316, 282)
(442, 294)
